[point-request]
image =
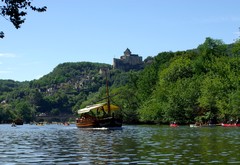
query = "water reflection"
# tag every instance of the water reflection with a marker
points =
(55, 144)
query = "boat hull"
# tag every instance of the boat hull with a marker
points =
(174, 125)
(230, 125)
(202, 125)
(194, 125)
(99, 123)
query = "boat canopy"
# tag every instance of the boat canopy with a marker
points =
(95, 106)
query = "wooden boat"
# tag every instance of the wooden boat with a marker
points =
(100, 116)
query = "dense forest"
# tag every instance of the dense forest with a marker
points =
(200, 84)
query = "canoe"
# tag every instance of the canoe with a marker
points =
(230, 125)
(174, 125)
(203, 125)
(194, 125)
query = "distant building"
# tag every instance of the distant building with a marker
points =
(128, 61)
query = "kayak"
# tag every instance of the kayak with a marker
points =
(174, 125)
(230, 125)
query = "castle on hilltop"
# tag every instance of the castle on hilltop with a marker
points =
(128, 61)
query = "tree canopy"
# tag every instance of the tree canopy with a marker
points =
(15, 11)
(201, 85)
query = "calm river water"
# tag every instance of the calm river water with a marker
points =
(58, 144)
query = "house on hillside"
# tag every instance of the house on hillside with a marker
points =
(128, 61)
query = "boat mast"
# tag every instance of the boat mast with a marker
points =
(107, 91)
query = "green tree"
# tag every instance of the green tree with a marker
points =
(16, 10)
(127, 100)
(6, 114)
(24, 112)
(212, 47)
(236, 48)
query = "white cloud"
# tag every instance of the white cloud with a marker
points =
(7, 55)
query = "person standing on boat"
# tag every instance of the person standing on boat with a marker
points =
(237, 121)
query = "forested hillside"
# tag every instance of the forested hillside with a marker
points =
(187, 86)
(201, 84)
(60, 92)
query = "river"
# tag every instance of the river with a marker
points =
(140, 144)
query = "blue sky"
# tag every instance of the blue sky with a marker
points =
(100, 30)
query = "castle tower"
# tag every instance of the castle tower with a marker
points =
(128, 61)
(127, 52)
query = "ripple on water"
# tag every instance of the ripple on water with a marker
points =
(55, 144)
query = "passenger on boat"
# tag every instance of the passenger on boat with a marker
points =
(66, 124)
(104, 113)
(237, 121)
(198, 124)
